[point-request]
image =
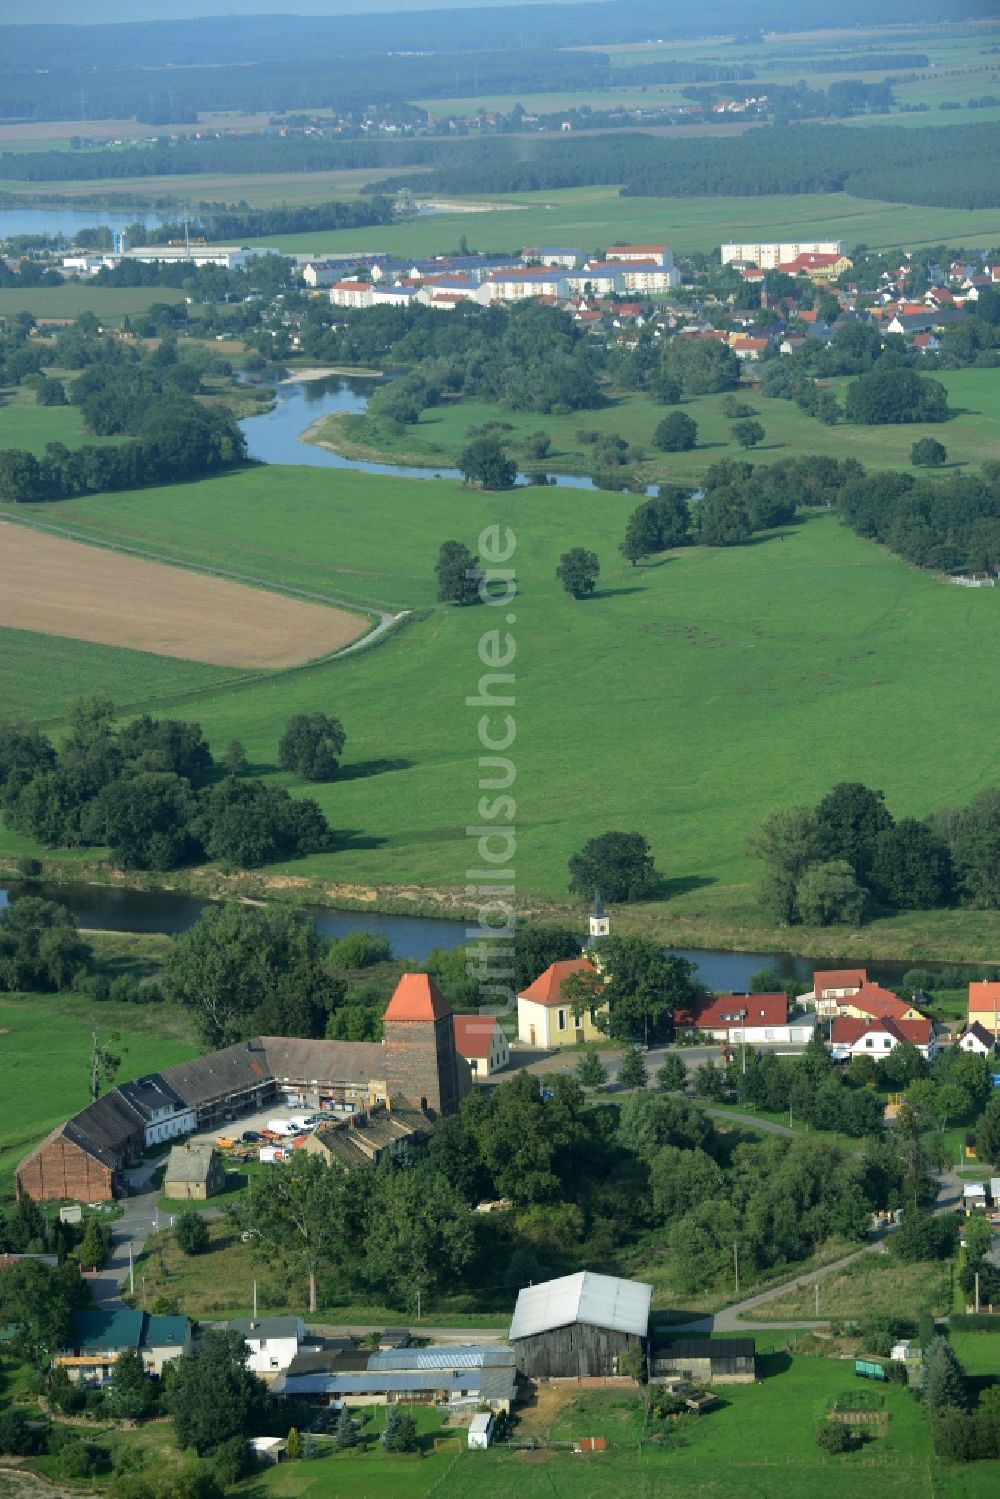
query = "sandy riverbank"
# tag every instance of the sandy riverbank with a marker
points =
(324, 371)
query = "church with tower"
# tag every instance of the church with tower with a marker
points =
(546, 1016)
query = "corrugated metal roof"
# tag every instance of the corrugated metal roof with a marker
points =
(462, 1356)
(376, 1382)
(597, 1300)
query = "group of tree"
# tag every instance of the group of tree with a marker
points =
(950, 524)
(847, 858)
(581, 1182)
(151, 791)
(150, 401)
(657, 525)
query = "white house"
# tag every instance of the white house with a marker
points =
(643, 254)
(164, 1113)
(319, 273)
(273, 1341)
(597, 278)
(392, 296)
(351, 294)
(978, 1040)
(482, 1041)
(520, 285)
(850, 1037)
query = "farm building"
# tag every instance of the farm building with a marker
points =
(462, 1375)
(579, 1326)
(88, 1157)
(194, 1173)
(363, 1138)
(705, 1361)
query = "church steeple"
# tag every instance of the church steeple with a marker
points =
(600, 926)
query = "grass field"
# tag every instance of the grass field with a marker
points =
(684, 664)
(760, 1443)
(40, 674)
(45, 1042)
(595, 216)
(23, 424)
(66, 302)
(873, 1286)
(971, 437)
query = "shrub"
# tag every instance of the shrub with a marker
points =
(192, 1232)
(16, 1437)
(834, 1436)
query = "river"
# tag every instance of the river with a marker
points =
(69, 221)
(113, 909)
(274, 436)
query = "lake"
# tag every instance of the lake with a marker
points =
(69, 221)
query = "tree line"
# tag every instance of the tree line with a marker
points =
(847, 858)
(152, 792)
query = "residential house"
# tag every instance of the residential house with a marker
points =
(749, 1018)
(522, 284)
(818, 267)
(164, 1113)
(770, 256)
(549, 255)
(871, 1001)
(597, 278)
(272, 1341)
(745, 347)
(645, 254)
(545, 1016)
(321, 273)
(851, 1036)
(97, 1339)
(194, 1173)
(393, 296)
(977, 1039)
(482, 1041)
(832, 985)
(351, 294)
(984, 1005)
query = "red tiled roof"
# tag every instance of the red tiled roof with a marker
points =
(879, 1002)
(723, 1009)
(417, 997)
(846, 1030)
(547, 988)
(839, 978)
(984, 994)
(474, 1034)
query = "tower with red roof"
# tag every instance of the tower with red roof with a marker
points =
(421, 1061)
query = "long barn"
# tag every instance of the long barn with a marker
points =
(579, 1326)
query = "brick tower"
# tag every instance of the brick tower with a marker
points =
(418, 1033)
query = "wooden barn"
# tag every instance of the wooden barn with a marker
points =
(579, 1326)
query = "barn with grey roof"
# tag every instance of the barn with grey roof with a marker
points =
(580, 1326)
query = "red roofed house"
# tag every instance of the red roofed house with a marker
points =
(832, 985)
(852, 1037)
(817, 267)
(740, 1017)
(481, 1040)
(872, 1001)
(351, 294)
(984, 1005)
(545, 1016)
(418, 1035)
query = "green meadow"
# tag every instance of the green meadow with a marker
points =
(45, 1042)
(23, 424)
(972, 436)
(63, 303)
(760, 1441)
(685, 699)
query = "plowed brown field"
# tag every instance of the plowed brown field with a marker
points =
(59, 587)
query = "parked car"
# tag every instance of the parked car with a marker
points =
(251, 1137)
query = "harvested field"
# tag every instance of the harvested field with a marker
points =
(58, 587)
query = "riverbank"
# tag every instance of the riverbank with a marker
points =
(325, 371)
(947, 936)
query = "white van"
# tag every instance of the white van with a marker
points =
(281, 1127)
(301, 1124)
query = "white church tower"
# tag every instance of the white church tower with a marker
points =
(600, 925)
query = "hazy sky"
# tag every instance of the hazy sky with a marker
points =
(21, 12)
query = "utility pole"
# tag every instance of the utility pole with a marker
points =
(131, 1270)
(255, 1301)
(418, 1306)
(736, 1265)
(817, 1301)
